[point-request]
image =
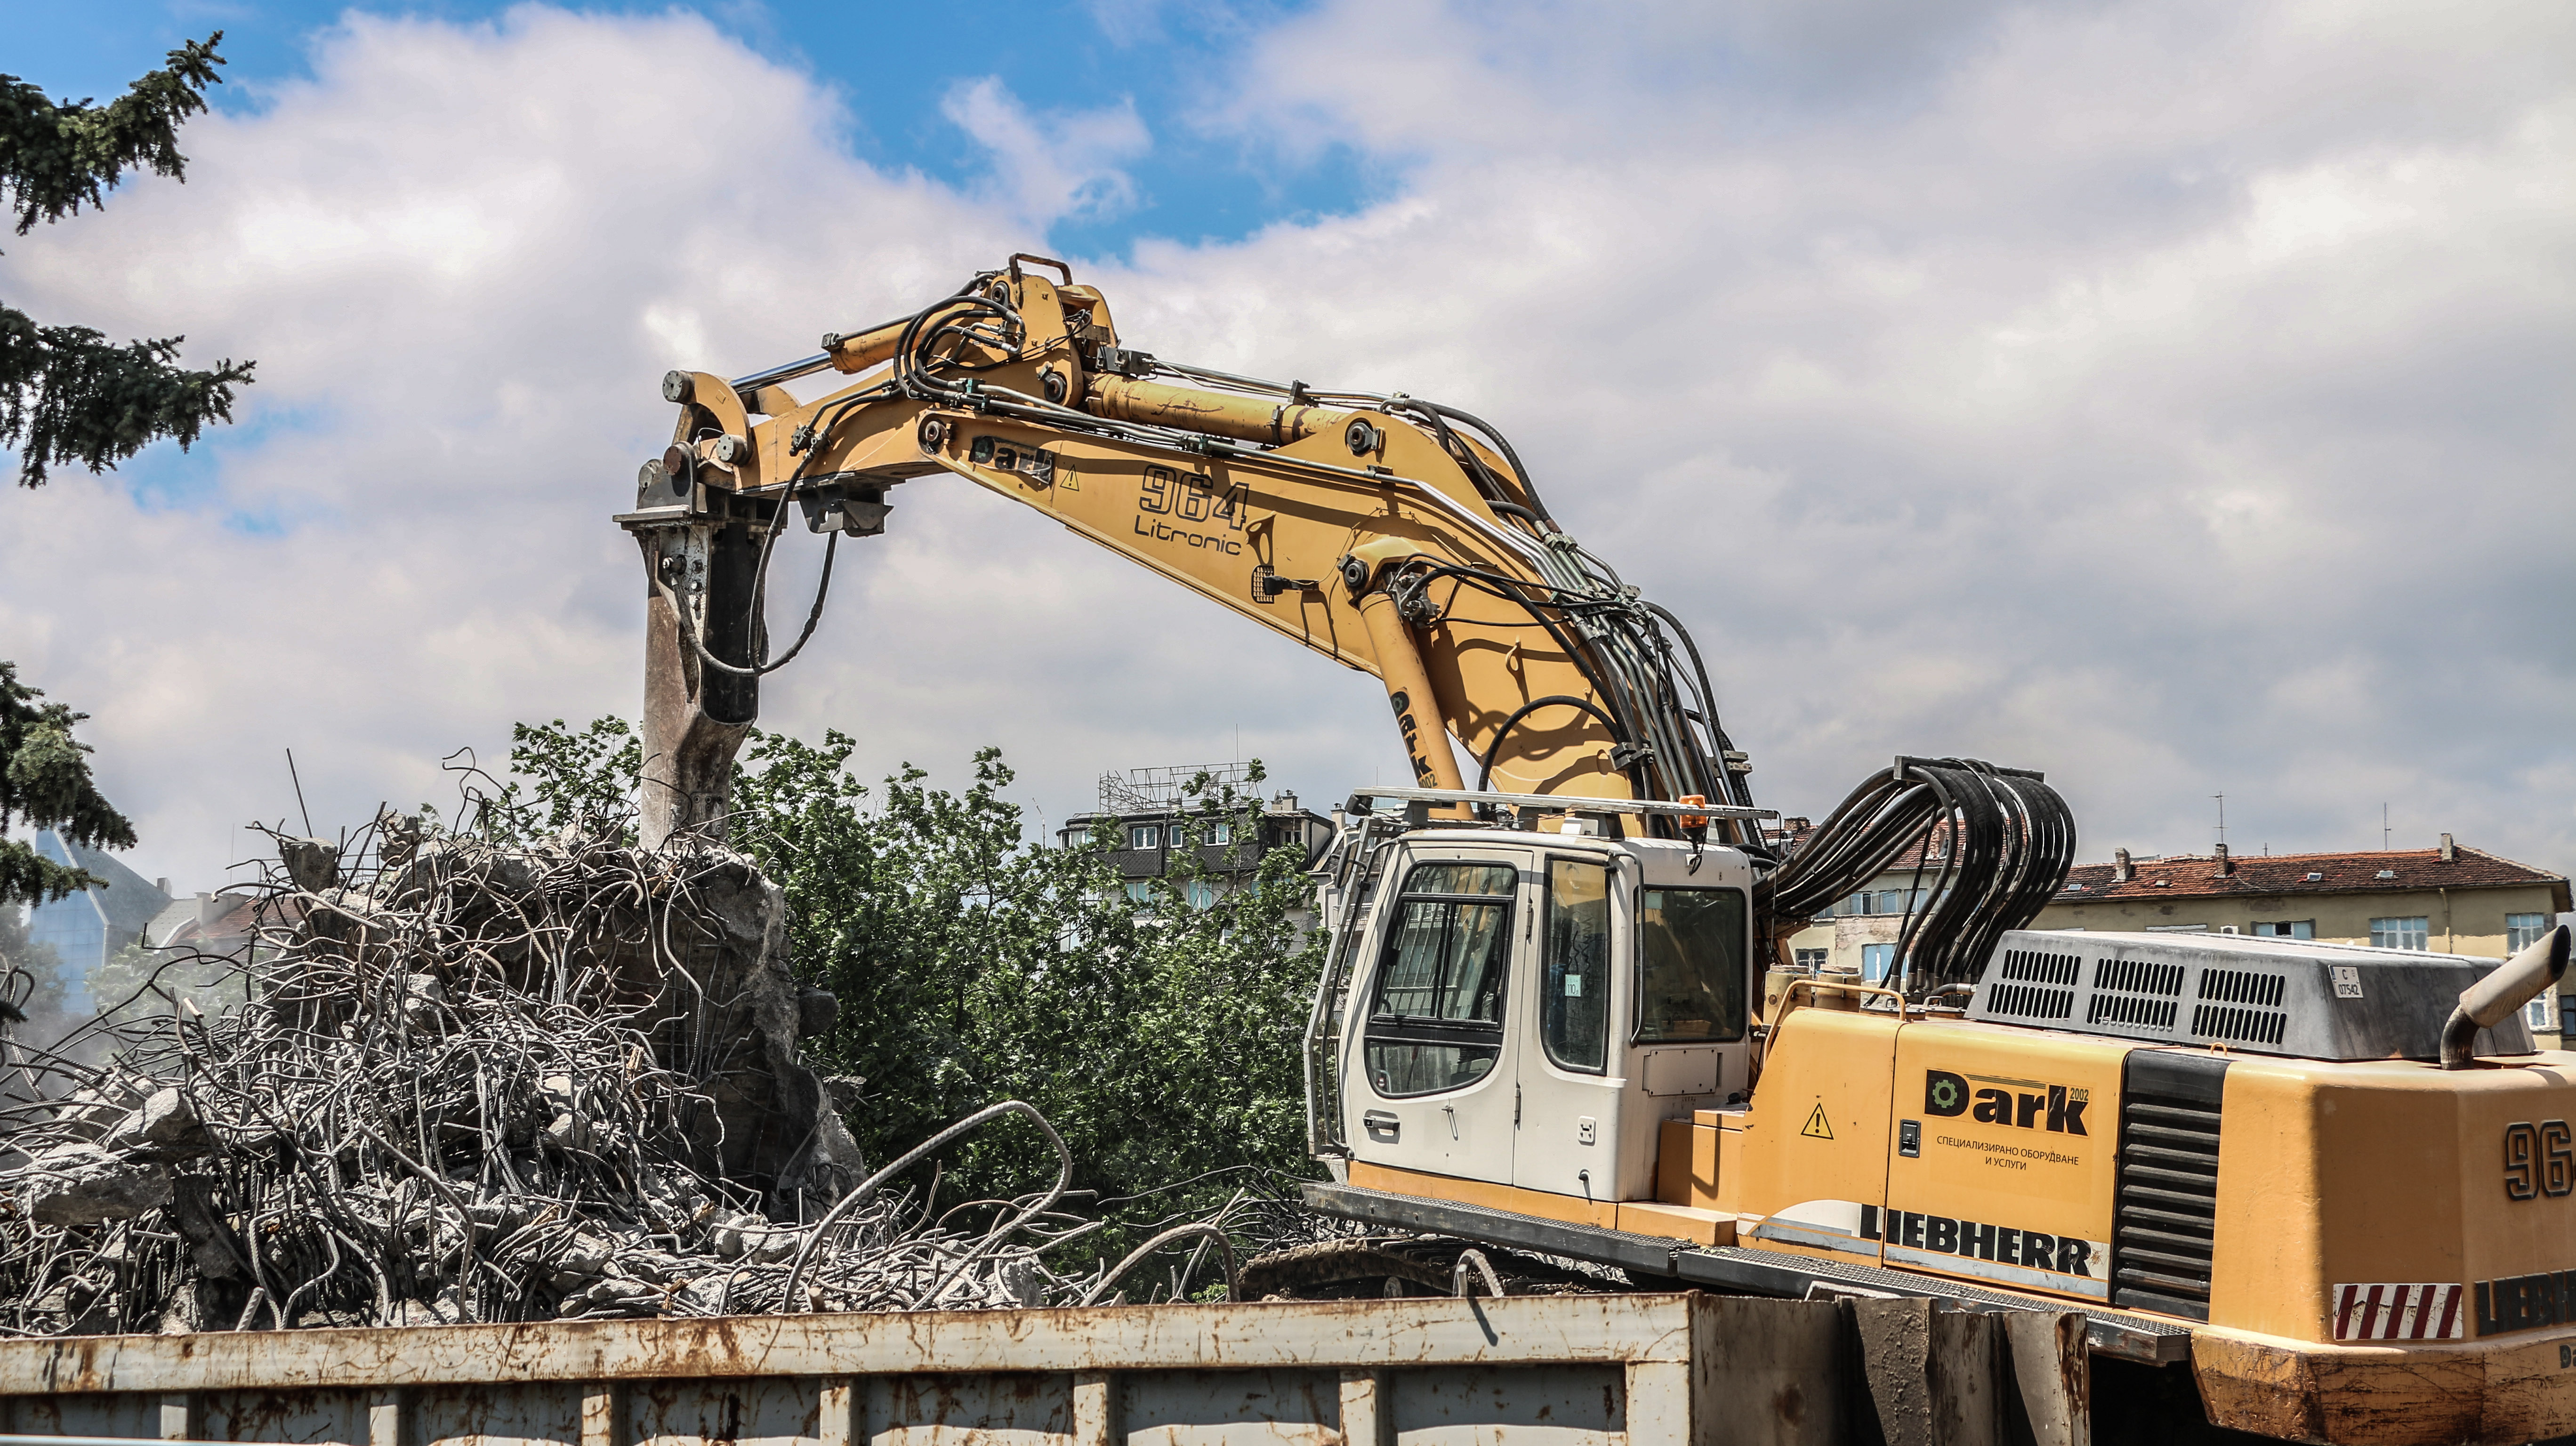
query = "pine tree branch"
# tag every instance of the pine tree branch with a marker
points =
(45, 780)
(69, 395)
(28, 877)
(54, 157)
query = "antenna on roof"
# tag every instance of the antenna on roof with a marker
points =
(2383, 828)
(2222, 817)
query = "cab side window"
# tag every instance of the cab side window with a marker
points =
(1690, 965)
(1574, 975)
(1436, 1015)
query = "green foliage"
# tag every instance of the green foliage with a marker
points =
(136, 981)
(67, 394)
(586, 779)
(45, 783)
(974, 964)
(54, 157)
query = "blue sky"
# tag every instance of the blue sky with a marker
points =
(894, 64)
(2154, 392)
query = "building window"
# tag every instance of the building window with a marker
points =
(2541, 1014)
(1221, 832)
(1813, 959)
(1202, 894)
(1144, 836)
(2398, 933)
(2285, 928)
(2521, 931)
(1141, 892)
(1877, 961)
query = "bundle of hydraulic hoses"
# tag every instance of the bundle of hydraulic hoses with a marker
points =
(1989, 847)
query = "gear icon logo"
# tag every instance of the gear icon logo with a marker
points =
(1944, 1093)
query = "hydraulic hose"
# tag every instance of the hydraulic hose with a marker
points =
(1485, 768)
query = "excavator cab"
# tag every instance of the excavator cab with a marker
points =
(1512, 1010)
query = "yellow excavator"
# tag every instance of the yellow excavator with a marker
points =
(2335, 1185)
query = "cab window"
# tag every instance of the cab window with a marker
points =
(1436, 1016)
(1574, 975)
(1690, 965)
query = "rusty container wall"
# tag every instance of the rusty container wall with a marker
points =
(1606, 1370)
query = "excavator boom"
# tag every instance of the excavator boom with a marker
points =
(1392, 535)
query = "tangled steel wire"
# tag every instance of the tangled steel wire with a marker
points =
(469, 1082)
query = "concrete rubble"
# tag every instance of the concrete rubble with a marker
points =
(470, 1082)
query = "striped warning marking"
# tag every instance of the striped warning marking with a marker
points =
(2399, 1313)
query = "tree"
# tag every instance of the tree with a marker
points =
(45, 783)
(1161, 1037)
(137, 980)
(67, 394)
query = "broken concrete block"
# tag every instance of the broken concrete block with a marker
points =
(1024, 1282)
(586, 1257)
(816, 1011)
(91, 1112)
(84, 1185)
(844, 1091)
(312, 863)
(166, 1118)
(398, 837)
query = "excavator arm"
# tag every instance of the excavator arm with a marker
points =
(1393, 535)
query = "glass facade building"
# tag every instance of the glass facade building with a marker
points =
(88, 928)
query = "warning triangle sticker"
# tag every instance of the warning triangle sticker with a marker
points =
(1816, 1128)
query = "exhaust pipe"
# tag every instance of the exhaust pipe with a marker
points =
(2515, 983)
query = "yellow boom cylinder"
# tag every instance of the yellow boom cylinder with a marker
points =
(1221, 414)
(857, 353)
(1408, 688)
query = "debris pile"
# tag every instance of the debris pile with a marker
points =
(482, 1083)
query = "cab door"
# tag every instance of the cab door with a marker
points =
(1428, 1070)
(1569, 1095)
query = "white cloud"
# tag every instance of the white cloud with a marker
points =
(2172, 399)
(1060, 166)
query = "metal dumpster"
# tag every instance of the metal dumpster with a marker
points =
(1584, 1370)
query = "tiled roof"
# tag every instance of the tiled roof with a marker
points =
(2354, 873)
(228, 929)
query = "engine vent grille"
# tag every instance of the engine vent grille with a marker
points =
(2128, 1009)
(2167, 1202)
(2303, 998)
(2245, 1026)
(2242, 986)
(2245, 1007)
(2118, 987)
(2138, 976)
(2035, 967)
(2026, 1001)
(2029, 993)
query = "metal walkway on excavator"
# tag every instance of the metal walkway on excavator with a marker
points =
(1732, 1268)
